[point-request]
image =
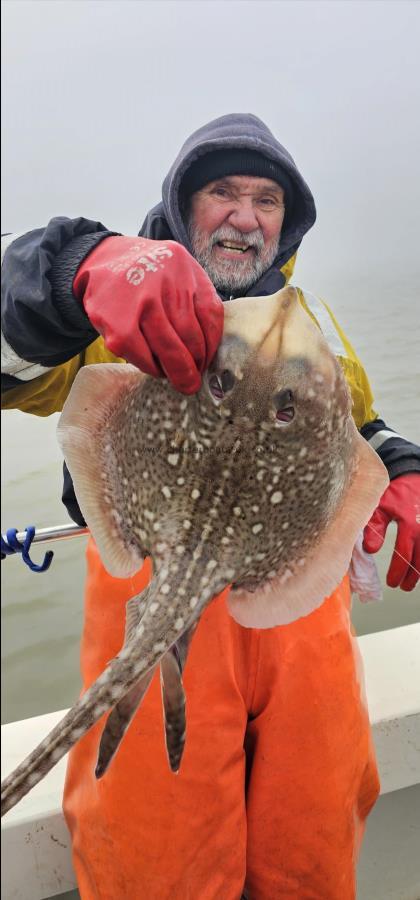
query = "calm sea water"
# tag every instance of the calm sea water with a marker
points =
(42, 613)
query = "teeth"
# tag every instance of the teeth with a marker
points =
(231, 246)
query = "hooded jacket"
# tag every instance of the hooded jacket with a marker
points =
(47, 337)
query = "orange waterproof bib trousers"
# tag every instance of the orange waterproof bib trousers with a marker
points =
(278, 773)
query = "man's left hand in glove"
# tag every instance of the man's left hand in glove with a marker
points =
(400, 503)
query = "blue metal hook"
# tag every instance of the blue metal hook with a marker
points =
(12, 545)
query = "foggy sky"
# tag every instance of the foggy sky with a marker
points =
(99, 95)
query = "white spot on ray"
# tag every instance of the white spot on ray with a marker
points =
(195, 494)
(187, 524)
(257, 528)
(159, 647)
(180, 481)
(179, 624)
(153, 608)
(166, 492)
(173, 459)
(277, 497)
(193, 602)
(165, 588)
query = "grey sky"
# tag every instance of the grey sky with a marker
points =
(98, 96)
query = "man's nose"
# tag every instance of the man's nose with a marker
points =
(243, 217)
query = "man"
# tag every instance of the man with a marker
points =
(278, 774)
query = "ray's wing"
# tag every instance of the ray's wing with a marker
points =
(284, 599)
(86, 432)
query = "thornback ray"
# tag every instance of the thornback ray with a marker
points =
(260, 482)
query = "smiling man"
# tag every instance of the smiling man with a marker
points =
(279, 772)
(234, 228)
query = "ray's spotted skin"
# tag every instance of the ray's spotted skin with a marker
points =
(260, 481)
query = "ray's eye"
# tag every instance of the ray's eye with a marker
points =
(228, 380)
(285, 409)
(221, 384)
(216, 387)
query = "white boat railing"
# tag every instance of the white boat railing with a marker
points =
(35, 841)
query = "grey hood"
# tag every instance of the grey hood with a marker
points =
(234, 131)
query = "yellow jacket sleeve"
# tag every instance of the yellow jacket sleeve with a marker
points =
(357, 380)
(47, 393)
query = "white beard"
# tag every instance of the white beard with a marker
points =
(232, 275)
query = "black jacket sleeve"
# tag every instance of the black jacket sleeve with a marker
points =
(399, 456)
(42, 322)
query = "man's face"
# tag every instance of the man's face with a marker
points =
(234, 226)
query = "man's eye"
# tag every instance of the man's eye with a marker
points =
(267, 202)
(221, 192)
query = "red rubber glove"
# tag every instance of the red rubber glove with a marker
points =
(399, 503)
(154, 305)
